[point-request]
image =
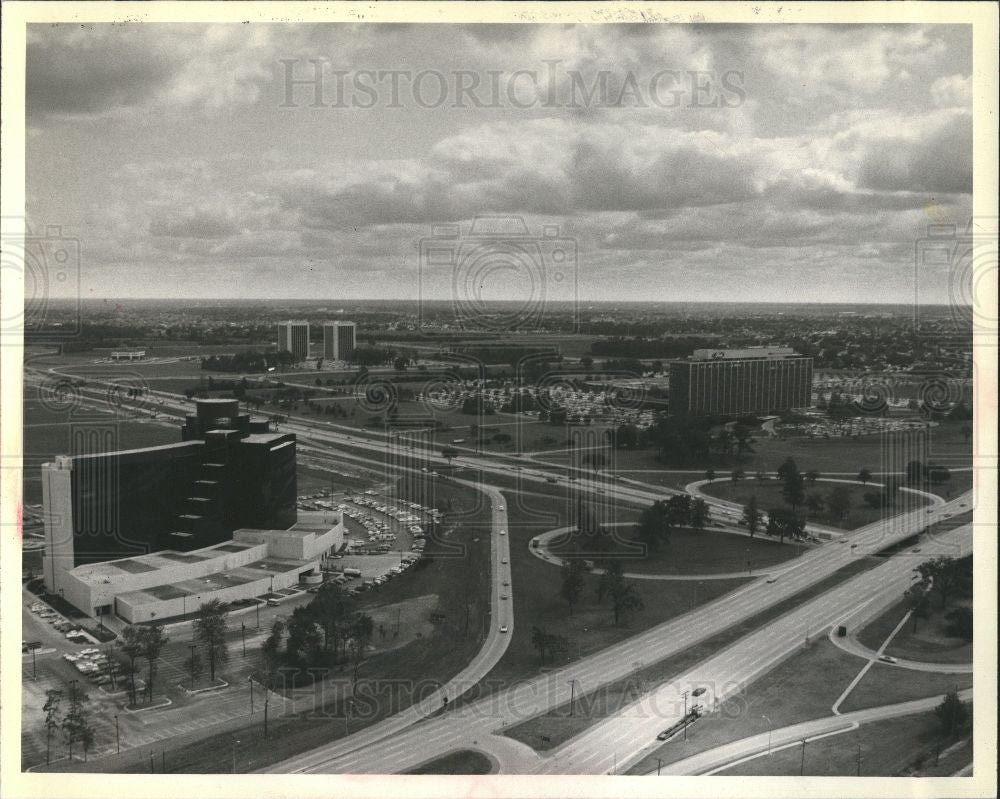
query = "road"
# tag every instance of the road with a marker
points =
(728, 755)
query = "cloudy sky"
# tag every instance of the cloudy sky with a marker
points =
(702, 162)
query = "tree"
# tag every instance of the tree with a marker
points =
(952, 714)
(51, 708)
(812, 476)
(654, 525)
(839, 502)
(744, 440)
(210, 630)
(271, 663)
(362, 626)
(960, 623)
(710, 475)
(329, 607)
(699, 514)
(736, 475)
(793, 490)
(751, 516)
(540, 640)
(587, 362)
(624, 595)
(781, 522)
(596, 460)
(76, 724)
(787, 467)
(132, 647)
(153, 640)
(572, 582)
(815, 503)
(303, 643)
(448, 453)
(943, 574)
(864, 476)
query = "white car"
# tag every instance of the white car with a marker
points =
(503, 628)
(503, 532)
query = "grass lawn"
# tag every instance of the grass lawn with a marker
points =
(461, 762)
(928, 643)
(886, 685)
(768, 495)
(699, 552)
(903, 746)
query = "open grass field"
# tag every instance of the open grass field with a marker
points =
(929, 642)
(697, 552)
(463, 762)
(768, 495)
(896, 747)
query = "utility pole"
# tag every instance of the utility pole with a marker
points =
(243, 633)
(250, 680)
(118, 740)
(572, 697)
(659, 763)
(802, 762)
(685, 695)
(859, 758)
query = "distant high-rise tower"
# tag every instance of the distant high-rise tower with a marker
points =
(339, 340)
(294, 337)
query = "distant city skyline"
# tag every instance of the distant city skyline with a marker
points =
(185, 166)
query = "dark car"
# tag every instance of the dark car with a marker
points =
(698, 691)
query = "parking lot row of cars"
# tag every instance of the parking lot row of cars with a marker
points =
(94, 664)
(73, 632)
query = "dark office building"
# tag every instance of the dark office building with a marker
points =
(755, 380)
(229, 472)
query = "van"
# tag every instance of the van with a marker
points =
(273, 603)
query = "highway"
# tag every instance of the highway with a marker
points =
(406, 741)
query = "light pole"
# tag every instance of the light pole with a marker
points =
(118, 740)
(572, 696)
(802, 762)
(659, 763)
(235, 742)
(243, 633)
(192, 647)
(685, 695)
(250, 680)
(768, 734)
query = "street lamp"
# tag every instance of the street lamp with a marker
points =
(572, 696)
(118, 741)
(768, 734)
(250, 680)
(235, 742)
(685, 695)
